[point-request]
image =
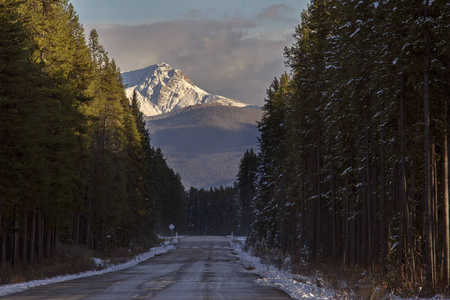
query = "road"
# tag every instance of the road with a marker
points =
(199, 268)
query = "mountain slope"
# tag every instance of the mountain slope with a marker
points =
(205, 143)
(161, 89)
(203, 136)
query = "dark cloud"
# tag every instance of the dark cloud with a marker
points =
(277, 12)
(217, 55)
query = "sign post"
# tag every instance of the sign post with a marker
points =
(171, 227)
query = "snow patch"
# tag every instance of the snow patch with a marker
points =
(296, 286)
(353, 34)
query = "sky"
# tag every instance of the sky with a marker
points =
(232, 48)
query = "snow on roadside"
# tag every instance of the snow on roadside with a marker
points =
(15, 288)
(297, 287)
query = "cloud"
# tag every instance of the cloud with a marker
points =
(219, 56)
(277, 12)
(194, 14)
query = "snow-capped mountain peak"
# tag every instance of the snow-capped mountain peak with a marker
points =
(161, 89)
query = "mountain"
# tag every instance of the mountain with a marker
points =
(161, 89)
(205, 142)
(203, 136)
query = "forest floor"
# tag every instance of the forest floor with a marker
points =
(307, 281)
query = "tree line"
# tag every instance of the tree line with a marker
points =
(353, 163)
(224, 210)
(76, 164)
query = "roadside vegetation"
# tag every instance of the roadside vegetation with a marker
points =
(67, 260)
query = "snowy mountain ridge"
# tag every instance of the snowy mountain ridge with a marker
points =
(161, 89)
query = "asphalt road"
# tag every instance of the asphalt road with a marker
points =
(199, 268)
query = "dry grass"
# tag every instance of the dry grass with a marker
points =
(68, 260)
(356, 282)
(118, 256)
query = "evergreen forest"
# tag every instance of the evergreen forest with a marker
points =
(76, 164)
(353, 163)
(352, 167)
(224, 210)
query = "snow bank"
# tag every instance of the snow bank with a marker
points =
(15, 288)
(296, 286)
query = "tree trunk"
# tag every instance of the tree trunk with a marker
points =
(353, 227)
(346, 226)
(77, 228)
(333, 218)
(446, 200)
(24, 237)
(15, 259)
(3, 242)
(430, 264)
(400, 206)
(434, 212)
(54, 240)
(403, 188)
(89, 202)
(40, 243)
(48, 242)
(32, 237)
(368, 243)
(318, 220)
(383, 229)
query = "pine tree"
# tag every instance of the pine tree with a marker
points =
(270, 197)
(246, 184)
(365, 135)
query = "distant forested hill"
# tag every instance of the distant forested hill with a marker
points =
(205, 143)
